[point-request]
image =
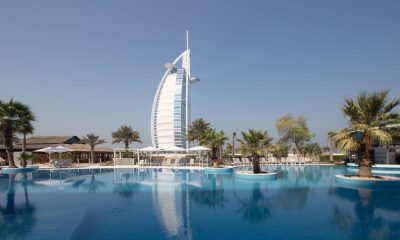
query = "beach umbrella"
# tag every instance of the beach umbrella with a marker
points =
(61, 149)
(48, 150)
(58, 149)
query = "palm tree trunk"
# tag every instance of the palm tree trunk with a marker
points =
(331, 150)
(214, 156)
(126, 146)
(92, 154)
(220, 155)
(9, 145)
(24, 144)
(256, 165)
(233, 146)
(365, 162)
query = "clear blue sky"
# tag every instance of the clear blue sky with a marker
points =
(91, 66)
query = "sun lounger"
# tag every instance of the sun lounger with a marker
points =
(60, 163)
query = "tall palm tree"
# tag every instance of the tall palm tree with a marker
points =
(14, 116)
(198, 129)
(214, 140)
(26, 128)
(331, 134)
(125, 134)
(233, 143)
(253, 144)
(368, 114)
(92, 140)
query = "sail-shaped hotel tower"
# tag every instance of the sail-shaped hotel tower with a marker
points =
(170, 114)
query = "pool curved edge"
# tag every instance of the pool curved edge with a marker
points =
(247, 175)
(7, 170)
(223, 170)
(387, 183)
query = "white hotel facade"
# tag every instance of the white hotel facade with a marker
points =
(170, 115)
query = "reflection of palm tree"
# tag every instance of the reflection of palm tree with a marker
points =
(363, 222)
(255, 208)
(16, 220)
(93, 185)
(292, 198)
(211, 193)
(364, 208)
(126, 189)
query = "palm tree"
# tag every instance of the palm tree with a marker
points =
(198, 129)
(368, 114)
(253, 144)
(214, 140)
(14, 117)
(233, 143)
(92, 140)
(125, 134)
(26, 128)
(331, 134)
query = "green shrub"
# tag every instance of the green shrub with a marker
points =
(336, 158)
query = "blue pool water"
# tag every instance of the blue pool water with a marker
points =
(303, 203)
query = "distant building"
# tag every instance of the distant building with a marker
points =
(170, 114)
(80, 152)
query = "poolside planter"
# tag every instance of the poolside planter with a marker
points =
(248, 175)
(7, 170)
(377, 168)
(218, 170)
(354, 181)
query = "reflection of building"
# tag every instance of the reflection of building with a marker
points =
(79, 151)
(170, 197)
(171, 105)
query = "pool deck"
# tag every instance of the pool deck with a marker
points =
(97, 166)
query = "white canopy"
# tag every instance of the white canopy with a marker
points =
(58, 149)
(174, 149)
(45, 150)
(199, 148)
(149, 149)
(61, 149)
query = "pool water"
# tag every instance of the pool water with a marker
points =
(303, 203)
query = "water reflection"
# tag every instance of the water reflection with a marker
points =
(93, 185)
(256, 207)
(126, 186)
(17, 220)
(293, 198)
(210, 193)
(189, 204)
(374, 214)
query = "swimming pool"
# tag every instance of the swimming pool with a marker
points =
(303, 203)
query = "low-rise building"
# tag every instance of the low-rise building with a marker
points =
(80, 153)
